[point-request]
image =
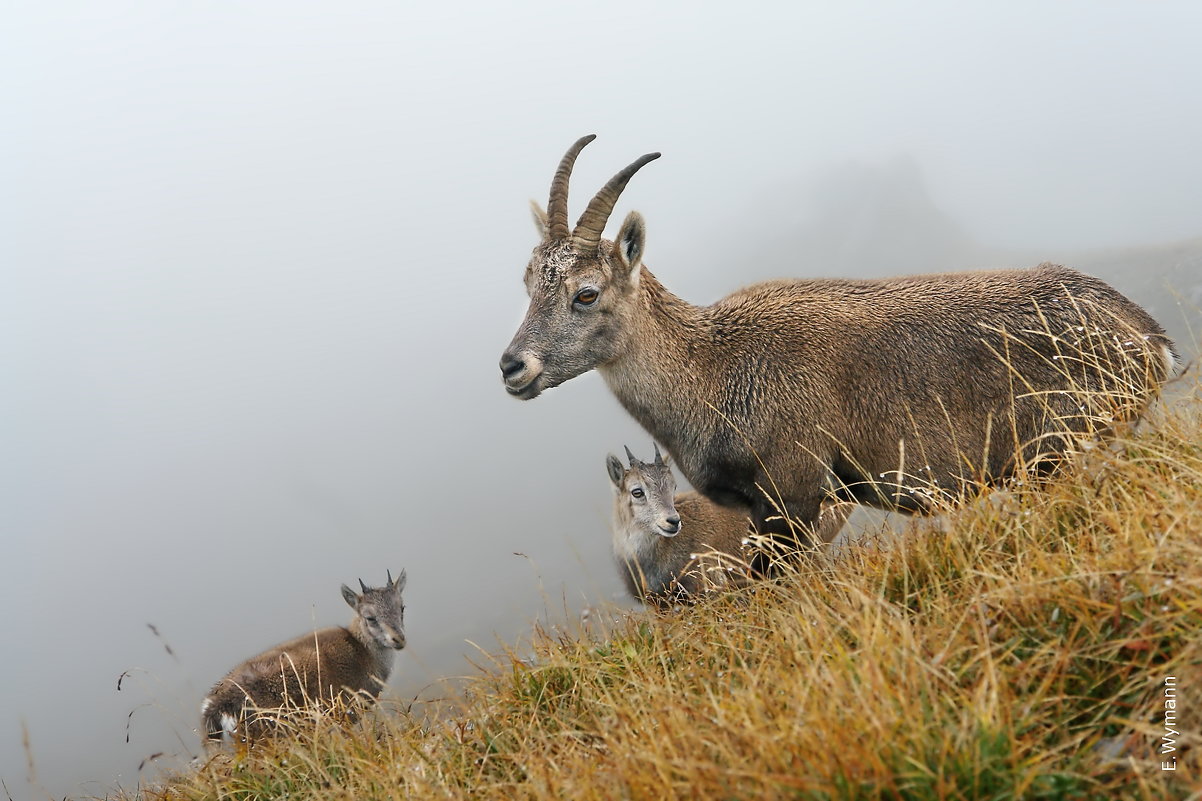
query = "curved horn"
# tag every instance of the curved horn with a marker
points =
(592, 223)
(629, 456)
(364, 586)
(557, 204)
(659, 458)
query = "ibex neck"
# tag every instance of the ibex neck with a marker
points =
(631, 542)
(644, 558)
(381, 655)
(661, 372)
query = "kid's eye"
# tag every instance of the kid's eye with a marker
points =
(587, 296)
(637, 492)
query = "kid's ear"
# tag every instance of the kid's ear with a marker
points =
(613, 465)
(350, 596)
(540, 218)
(632, 239)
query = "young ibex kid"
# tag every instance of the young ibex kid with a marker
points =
(668, 546)
(331, 665)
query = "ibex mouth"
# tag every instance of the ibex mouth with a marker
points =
(531, 389)
(669, 530)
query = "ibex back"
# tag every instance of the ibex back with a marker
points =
(331, 665)
(898, 393)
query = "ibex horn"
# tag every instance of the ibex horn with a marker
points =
(629, 456)
(364, 586)
(389, 572)
(592, 223)
(659, 459)
(557, 204)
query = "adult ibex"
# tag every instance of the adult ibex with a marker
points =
(671, 546)
(334, 664)
(899, 393)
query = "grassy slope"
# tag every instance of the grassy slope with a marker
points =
(1018, 652)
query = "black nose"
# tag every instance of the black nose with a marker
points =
(511, 365)
(674, 521)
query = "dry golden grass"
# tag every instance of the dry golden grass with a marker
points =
(1018, 650)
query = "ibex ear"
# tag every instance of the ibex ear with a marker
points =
(400, 581)
(540, 218)
(630, 243)
(613, 465)
(351, 598)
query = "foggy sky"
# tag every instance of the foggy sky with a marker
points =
(259, 263)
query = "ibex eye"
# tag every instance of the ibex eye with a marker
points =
(587, 296)
(637, 492)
